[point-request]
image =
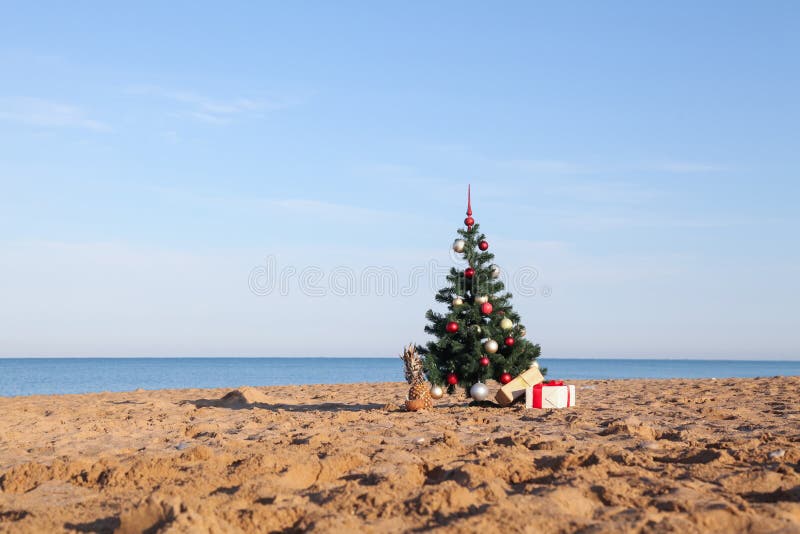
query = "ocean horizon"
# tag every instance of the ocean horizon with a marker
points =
(45, 376)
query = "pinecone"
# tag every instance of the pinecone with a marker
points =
(415, 375)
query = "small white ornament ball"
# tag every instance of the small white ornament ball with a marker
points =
(437, 392)
(495, 270)
(457, 301)
(490, 346)
(459, 245)
(506, 324)
(482, 299)
(479, 391)
(534, 364)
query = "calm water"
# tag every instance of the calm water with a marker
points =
(81, 375)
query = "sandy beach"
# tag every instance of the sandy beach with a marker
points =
(633, 456)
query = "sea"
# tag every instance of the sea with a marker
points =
(42, 376)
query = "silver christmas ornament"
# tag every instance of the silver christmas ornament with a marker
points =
(490, 346)
(459, 245)
(482, 299)
(437, 392)
(479, 391)
(495, 270)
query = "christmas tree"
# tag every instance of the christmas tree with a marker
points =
(480, 337)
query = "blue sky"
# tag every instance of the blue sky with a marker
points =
(642, 158)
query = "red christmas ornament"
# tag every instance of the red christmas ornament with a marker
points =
(505, 378)
(509, 341)
(452, 327)
(484, 361)
(469, 221)
(469, 272)
(452, 379)
(483, 245)
(486, 308)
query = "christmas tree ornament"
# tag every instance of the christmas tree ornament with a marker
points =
(491, 346)
(484, 361)
(509, 341)
(479, 391)
(457, 301)
(469, 221)
(482, 299)
(495, 271)
(476, 328)
(452, 379)
(419, 396)
(506, 324)
(452, 327)
(534, 365)
(437, 392)
(469, 272)
(486, 308)
(483, 245)
(459, 244)
(505, 378)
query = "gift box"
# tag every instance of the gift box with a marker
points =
(550, 394)
(516, 388)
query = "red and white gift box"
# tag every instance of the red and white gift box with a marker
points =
(550, 394)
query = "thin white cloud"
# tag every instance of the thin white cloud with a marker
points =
(544, 166)
(206, 109)
(47, 113)
(556, 166)
(682, 167)
(605, 191)
(171, 136)
(208, 118)
(610, 221)
(313, 208)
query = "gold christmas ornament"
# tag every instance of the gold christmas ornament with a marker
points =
(437, 392)
(482, 299)
(457, 301)
(490, 346)
(506, 324)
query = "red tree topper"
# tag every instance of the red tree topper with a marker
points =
(469, 221)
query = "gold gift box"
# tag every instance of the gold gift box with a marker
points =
(516, 388)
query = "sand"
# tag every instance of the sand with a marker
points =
(633, 456)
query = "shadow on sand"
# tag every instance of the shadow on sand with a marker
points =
(247, 399)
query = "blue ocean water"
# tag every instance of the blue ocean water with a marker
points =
(23, 376)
